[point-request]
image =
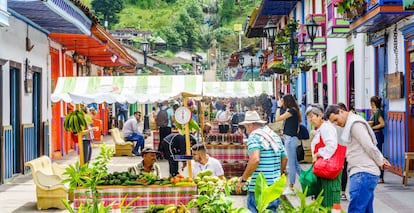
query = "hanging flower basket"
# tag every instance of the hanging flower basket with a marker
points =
(305, 68)
(277, 70)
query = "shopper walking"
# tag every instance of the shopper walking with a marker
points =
(292, 118)
(364, 158)
(266, 155)
(377, 123)
(324, 131)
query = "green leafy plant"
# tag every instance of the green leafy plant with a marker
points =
(264, 194)
(215, 198)
(89, 176)
(312, 207)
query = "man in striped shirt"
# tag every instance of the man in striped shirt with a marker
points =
(266, 154)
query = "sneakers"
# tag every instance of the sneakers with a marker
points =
(136, 153)
(343, 197)
(289, 191)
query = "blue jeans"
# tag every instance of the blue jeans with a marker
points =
(251, 203)
(139, 138)
(361, 190)
(293, 165)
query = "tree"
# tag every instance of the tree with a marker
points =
(107, 10)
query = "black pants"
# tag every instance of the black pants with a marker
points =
(164, 131)
(344, 178)
(223, 128)
(87, 150)
(380, 140)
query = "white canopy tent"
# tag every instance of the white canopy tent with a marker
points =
(131, 89)
(236, 89)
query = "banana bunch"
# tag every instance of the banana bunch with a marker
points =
(177, 209)
(75, 122)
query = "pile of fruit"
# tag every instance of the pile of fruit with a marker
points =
(180, 180)
(205, 180)
(170, 208)
(75, 121)
(145, 179)
(128, 179)
(232, 182)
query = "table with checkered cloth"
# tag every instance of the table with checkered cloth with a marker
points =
(153, 194)
(232, 157)
(229, 153)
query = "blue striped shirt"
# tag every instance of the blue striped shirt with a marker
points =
(270, 161)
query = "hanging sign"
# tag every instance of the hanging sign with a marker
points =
(395, 85)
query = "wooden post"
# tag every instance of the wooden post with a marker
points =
(187, 143)
(80, 144)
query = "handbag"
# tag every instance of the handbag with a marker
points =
(308, 179)
(332, 167)
(303, 133)
(300, 152)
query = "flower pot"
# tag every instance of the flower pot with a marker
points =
(277, 70)
(305, 68)
(362, 9)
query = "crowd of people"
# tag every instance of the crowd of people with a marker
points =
(274, 154)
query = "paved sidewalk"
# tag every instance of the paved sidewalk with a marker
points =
(19, 194)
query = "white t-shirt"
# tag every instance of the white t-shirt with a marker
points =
(212, 164)
(223, 116)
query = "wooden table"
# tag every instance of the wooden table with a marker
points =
(153, 194)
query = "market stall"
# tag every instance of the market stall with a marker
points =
(230, 148)
(148, 195)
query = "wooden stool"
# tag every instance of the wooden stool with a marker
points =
(409, 156)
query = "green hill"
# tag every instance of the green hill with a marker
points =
(188, 24)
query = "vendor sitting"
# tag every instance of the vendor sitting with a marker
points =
(147, 165)
(202, 161)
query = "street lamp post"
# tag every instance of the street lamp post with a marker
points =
(144, 48)
(270, 32)
(251, 66)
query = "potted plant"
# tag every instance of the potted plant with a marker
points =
(352, 8)
(304, 65)
(278, 68)
(90, 176)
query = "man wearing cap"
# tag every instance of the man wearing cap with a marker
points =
(266, 154)
(147, 165)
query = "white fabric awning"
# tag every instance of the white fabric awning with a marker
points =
(131, 89)
(236, 89)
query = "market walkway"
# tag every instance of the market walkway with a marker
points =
(19, 195)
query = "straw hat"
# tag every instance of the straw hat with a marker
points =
(252, 117)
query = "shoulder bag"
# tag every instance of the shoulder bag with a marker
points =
(332, 167)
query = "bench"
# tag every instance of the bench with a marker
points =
(48, 178)
(408, 156)
(122, 147)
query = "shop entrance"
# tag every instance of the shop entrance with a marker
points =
(410, 101)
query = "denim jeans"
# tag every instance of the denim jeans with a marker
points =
(251, 203)
(139, 138)
(361, 190)
(293, 165)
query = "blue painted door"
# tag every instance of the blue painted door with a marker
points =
(15, 117)
(382, 91)
(37, 110)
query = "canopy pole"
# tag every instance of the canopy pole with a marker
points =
(187, 143)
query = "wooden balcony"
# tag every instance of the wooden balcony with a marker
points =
(378, 15)
(337, 26)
